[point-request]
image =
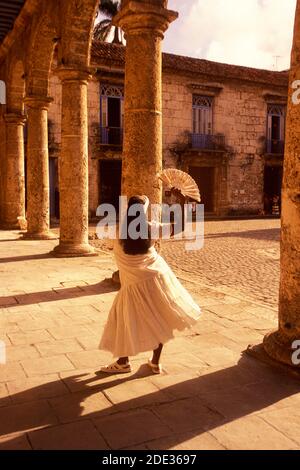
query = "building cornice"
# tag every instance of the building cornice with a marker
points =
(275, 98)
(209, 89)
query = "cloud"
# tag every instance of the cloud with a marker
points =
(241, 32)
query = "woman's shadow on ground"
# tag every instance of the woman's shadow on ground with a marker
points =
(196, 405)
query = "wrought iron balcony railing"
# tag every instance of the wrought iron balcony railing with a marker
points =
(112, 135)
(275, 146)
(208, 141)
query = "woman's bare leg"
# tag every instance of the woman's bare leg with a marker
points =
(123, 360)
(156, 354)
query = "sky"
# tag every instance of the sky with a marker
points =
(254, 33)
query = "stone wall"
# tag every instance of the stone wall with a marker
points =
(54, 116)
(239, 112)
(177, 116)
(2, 157)
(94, 141)
(54, 119)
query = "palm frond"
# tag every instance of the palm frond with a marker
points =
(103, 23)
(102, 33)
(109, 8)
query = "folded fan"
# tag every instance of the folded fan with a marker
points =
(181, 181)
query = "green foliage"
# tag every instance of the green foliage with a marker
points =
(108, 8)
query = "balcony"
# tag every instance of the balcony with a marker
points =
(275, 147)
(112, 136)
(208, 141)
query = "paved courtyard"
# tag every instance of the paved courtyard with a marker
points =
(239, 254)
(211, 395)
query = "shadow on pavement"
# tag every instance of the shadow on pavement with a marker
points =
(196, 405)
(60, 293)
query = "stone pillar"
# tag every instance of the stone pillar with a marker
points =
(73, 166)
(144, 23)
(279, 343)
(13, 208)
(38, 210)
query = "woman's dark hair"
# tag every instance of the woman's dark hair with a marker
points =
(142, 243)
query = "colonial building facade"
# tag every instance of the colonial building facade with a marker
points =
(223, 124)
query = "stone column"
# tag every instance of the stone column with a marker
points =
(144, 23)
(38, 210)
(279, 344)
(73, 166)
(13, 208)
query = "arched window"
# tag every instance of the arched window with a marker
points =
(276, 128)
(112, 113)
(112, 91)
(202, 115)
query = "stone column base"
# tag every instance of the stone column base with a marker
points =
(257, 351)
(19, 224)
(39, 236)
(67, 250)
(10, 226)
(279, 348)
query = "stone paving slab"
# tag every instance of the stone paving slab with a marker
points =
(210, 395)
(35, 388)
(252, 433)
(15, 442)
(131, 428)
(73, 436)
(26, 416)
(187, 441)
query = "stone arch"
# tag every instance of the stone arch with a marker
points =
(15, 87)
(76, 32)
(42, 45)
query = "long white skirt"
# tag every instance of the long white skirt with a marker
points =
(149, 307)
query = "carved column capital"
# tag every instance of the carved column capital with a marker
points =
(68, 74)
(38, 102)
(14, 118)
(137, 17)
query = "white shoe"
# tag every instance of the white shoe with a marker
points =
(156, 368)
(117, 368)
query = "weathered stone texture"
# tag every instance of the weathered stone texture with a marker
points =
(279, 345)
(143, 119)
(239, 113)
(73, 165)
(54, 116)
(38, 214)
(94, 141)
(26, 59)
(13, 197)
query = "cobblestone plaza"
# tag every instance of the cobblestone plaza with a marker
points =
(52, 314)
(232, 380)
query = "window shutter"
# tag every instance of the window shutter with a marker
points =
(269, 126)
(282, 126)
(210, 123)
(122, 112)
(104, 121)
(202, 115)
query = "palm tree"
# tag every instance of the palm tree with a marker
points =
(108, 8)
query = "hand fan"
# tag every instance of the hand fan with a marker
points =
(181, 181)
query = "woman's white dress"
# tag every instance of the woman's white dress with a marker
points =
(150, 305)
